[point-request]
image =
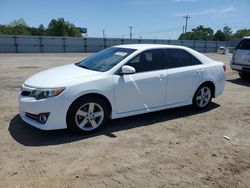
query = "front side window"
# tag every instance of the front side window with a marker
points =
(148, 61)
(180, 58)
(106, 59)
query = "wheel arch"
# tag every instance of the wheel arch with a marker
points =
(94, 94)
(211, 85)
(104, 98)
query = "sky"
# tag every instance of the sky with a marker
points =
(161, 19)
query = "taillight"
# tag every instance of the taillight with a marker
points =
(225, 68)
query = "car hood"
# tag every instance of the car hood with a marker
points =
(62, 76)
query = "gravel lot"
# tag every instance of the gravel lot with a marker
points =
(172, 148)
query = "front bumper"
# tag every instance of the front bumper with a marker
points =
(57, 108)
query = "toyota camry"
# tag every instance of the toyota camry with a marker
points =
(118, 82)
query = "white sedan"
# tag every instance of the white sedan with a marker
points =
(118, 82)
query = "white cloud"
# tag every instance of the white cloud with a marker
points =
(213, 12)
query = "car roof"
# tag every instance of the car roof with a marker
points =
(148, 46)
(247, 37)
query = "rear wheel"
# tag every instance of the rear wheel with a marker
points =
(87, 115)
(202, 97)
(244, 75)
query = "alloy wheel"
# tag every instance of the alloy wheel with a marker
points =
(203, 97)
(89, 116)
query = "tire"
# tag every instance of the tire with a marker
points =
(87, 115)
(243, 75)
(202, 97)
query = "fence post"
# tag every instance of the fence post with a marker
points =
(205, 47)
(64, 44)
(15, 43)
(194, 45)
(104, 43)
(85, 44)
(41, 44)
(217, 45)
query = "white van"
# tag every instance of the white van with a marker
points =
(241, 58)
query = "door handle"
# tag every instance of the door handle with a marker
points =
(161, 76)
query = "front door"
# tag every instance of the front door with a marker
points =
(146, 88)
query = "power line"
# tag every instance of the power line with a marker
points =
(186, 17)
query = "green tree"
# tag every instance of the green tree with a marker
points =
(228, 32)
(220, 36)
(60, 27)
(199, 33)
(241, 33)
(40, 31)
(18, 22)
(16, 27)
(41, 27)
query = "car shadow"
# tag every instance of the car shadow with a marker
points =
(30, 136)
(239, 81)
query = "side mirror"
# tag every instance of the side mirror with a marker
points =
(126, 69)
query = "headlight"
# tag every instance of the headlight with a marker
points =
(46, 93)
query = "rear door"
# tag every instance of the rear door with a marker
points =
(184, 75)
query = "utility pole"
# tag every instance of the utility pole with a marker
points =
(183, 29)
(130, 33)
(103, 33)
(186, 17)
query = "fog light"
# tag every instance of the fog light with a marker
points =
(43, 117)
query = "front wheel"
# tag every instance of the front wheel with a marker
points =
(202, 97)
(87, 115)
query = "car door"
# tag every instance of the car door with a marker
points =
(184, 74)
(146, 88)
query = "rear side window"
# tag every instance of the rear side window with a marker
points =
(180, 58)
(244, 44)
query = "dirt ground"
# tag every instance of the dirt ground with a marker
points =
(172, 148)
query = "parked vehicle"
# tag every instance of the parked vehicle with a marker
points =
(118, 82)
(223, 50)
(241, 58)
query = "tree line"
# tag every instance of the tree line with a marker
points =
(207, 33)
(56, 27)
(60, 27)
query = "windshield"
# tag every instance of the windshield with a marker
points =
(244, 45)
(105, 59)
